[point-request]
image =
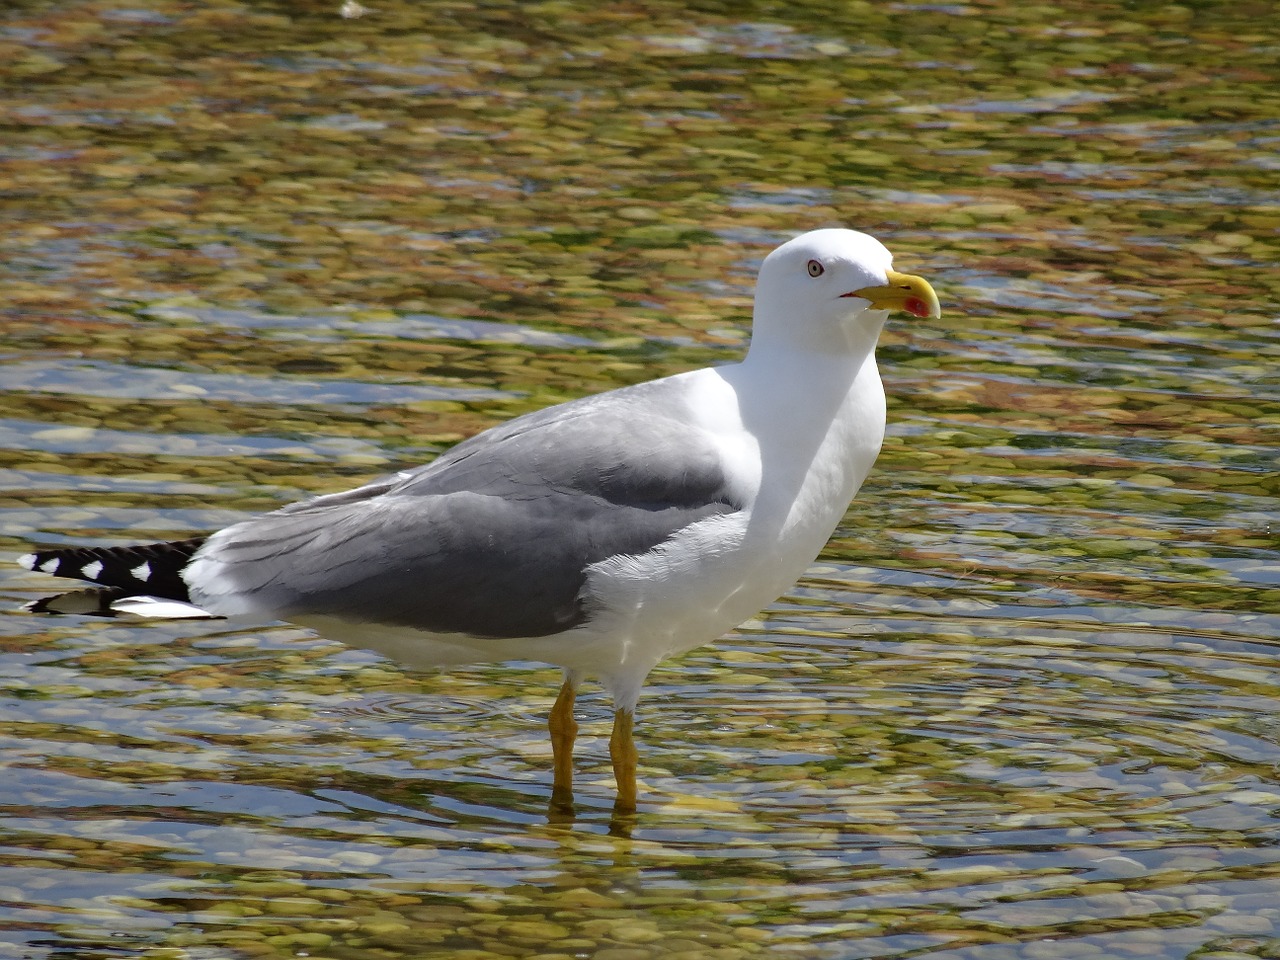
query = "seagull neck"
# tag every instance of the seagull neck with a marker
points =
(836, 329)
(795, 395)
(804, 370)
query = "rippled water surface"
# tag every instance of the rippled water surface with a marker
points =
(1027, 705)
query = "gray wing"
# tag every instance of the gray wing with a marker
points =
(494, 537)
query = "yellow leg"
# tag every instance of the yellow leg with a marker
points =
(623, 751)
(564, 730)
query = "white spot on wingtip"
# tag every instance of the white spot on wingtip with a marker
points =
(27, 560)
(141, 572)
(91, 570)
(50, 566)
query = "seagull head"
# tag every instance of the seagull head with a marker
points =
(827, 284)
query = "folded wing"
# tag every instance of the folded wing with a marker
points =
(492, 539)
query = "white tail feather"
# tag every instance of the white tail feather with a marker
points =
(155, 608)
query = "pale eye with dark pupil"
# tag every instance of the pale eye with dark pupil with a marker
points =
(815, 268)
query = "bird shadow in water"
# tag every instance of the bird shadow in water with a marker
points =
(562, 812)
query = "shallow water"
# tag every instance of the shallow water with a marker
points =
(1027, 705)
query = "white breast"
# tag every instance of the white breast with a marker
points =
(796, 480)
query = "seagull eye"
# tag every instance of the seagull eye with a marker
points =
(815, 268)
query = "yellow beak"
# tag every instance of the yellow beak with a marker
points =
(902, 292)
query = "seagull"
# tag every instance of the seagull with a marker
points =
(602, 535)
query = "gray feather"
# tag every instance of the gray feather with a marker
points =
(494, 537)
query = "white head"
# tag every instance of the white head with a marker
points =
(832, 290)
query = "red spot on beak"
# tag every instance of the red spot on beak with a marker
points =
(916, 307)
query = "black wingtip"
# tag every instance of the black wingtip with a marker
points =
(153, 569)
(92, 602)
